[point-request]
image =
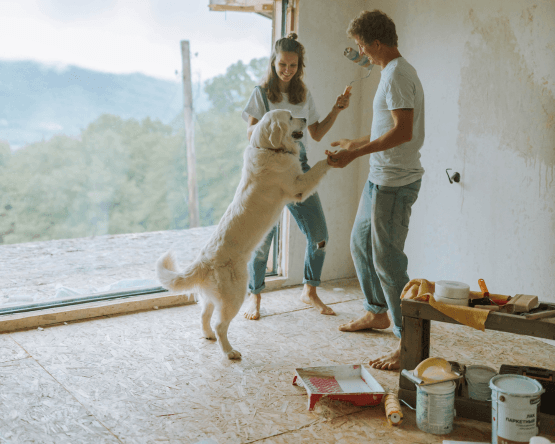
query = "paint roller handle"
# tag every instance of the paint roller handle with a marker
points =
(346, 93)
(483, 287)
(411, 377)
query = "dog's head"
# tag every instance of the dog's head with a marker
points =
(278, 129)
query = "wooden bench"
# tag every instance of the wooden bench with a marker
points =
(415, 347)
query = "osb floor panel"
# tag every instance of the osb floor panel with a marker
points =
(150, 377)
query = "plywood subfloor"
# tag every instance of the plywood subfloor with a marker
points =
(150, 377)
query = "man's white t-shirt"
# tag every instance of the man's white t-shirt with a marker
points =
(255, 108)
(399, 87)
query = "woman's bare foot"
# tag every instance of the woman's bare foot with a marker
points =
(391, 361)
(369, 320)
(252, 311)
(310, 297)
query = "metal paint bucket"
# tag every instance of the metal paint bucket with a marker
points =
(478, 378)
(514, 408)
(435, 408)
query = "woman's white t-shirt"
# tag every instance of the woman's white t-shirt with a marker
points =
(307, 110)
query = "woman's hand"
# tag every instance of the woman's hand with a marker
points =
(342, 101)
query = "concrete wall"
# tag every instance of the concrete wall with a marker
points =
(488, 71)
(322, 28)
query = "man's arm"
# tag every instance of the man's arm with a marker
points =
(399, 134)
(351, 144)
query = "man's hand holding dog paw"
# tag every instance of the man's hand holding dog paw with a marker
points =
(341, 158)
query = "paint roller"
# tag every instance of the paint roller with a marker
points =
(393, 409)
(354, 56)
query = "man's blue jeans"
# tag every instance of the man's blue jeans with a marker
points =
(377, 242)
(310, 218)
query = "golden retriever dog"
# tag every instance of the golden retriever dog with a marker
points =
(271, 178)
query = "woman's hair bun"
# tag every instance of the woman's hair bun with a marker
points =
(292, 36)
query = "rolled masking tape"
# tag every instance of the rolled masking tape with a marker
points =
(393, 409)
(451, 301)
(452, 290)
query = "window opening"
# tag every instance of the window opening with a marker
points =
(77, 179)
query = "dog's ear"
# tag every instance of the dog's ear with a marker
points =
(278, 132)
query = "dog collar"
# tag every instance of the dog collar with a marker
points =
(277, 150)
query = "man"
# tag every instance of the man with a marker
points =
(397, 134)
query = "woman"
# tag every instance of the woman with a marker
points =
(283, 88)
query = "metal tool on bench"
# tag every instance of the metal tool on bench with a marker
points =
(485, 302)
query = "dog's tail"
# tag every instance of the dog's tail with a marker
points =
(171, 279)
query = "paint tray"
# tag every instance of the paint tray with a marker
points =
(351, 383)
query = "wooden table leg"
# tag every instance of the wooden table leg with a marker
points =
(415, 346)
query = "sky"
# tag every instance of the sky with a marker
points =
(128, 36)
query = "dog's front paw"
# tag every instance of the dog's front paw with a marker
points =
(233, 354)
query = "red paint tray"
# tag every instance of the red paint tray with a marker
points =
(351, 383)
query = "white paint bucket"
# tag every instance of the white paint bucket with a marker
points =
(514, 408)
(435, 408)
(478, 378)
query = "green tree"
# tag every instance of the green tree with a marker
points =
(5, 153)
(221, 137)
(229, 92)
(126, 176)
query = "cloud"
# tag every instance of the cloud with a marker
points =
(50, 126)
(125, 37)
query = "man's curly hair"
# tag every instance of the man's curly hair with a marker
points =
(373, 25)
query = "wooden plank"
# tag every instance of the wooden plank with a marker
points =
(408, 395)
(194, 217)
(547, 424)
(496, 321)
(415, 346)
(41, 318)
(262, 8)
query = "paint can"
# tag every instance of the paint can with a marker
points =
(435, 408)
(478, 378)
(515, 401)
(539, 440)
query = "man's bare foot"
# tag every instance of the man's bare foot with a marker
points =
(391, 361)
(310, 297)
(252, 311)
(369, 320)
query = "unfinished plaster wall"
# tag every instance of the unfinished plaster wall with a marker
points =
(488, 71)
(322, 26)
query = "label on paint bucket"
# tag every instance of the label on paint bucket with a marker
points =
(514, 408)
(435, 408)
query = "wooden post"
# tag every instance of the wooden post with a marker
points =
(190, 136)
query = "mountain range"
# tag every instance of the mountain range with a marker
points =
(38, 101)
